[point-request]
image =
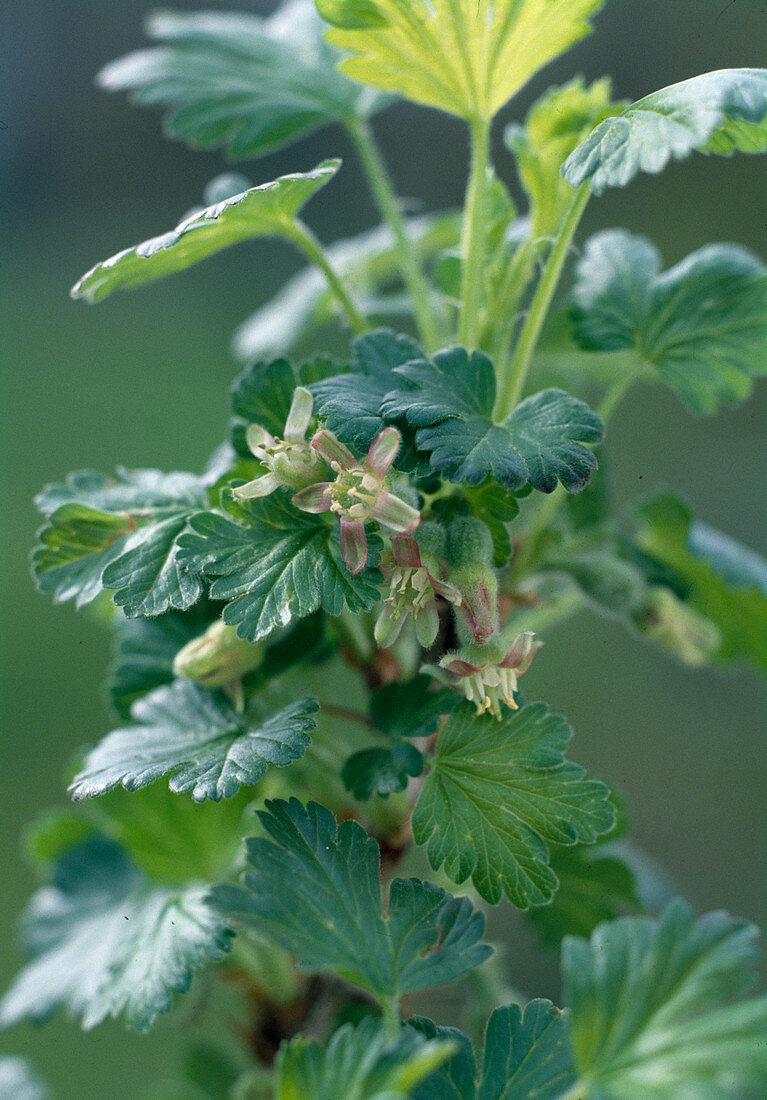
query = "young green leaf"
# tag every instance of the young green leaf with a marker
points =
(18, 1080)
(702, 325)
(381, 771)
(410, 709)
(104, 941)
(651, 1012)
(314, 888)
(239, 82)
(275, 564)
(269, 210)
(717, 112)
(498, 792)
(369, 264)
(450, 402)
(527, 1055)
(725, 582)
(198, 737)
(359, 1063)
(118, 532)
(465, 58)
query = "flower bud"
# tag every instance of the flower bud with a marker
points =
(217, 657)
(677, 627)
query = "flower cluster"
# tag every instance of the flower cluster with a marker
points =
(488, 683)
(414, 585)
(291, 461)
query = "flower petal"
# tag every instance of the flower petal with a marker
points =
(334, 451)
(455, 664)
(394, 513)
(315, 498)
(257, 438)
(354, 544)
(299, 416)
(426, 626)
(406, 552)
(388, 627)
(447, 591)
(260, 487)
(382, 452)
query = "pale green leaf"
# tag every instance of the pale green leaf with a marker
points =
(269, 210)
(651, 1008)
(239, 82)
(103, 942)
(275, 564)
(499, 793)
(461, 56)
(702, 325)
(196, 736)
(120, 533)
(359, 1063)
(718, 112)
(314, 887)
(18, 1080)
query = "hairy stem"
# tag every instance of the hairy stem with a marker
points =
(388, 204)
(304, 239)
(473, 236)
(510, 386)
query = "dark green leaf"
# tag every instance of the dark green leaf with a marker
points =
(314, 888)
(269, 210)
(359, 1063)
(527, 1057)
(702, 325)
(200, 739)
(262, 395)
(411, 709)
(18, 1080)
(723, 581)
(450, 401)
(237, 81)
(717, 112)
(275, 564)
(650, 1008)
(381, 771)
(104, 942)
(498, 792)
(118, 532)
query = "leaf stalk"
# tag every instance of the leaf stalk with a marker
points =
(306, 241)
(473, 244)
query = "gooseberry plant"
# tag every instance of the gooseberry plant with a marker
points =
(319, 640)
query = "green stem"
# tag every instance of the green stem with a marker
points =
(614, 396)
(473, 244)
(388, 204)
(391, 1016)
(304, 239)
(513, 381)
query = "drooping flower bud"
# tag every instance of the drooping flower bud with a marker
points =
(677, 627)
(291, 461)
(358, 494)
(487, 676)
(413, 587)
(217, 657)
(470, 550)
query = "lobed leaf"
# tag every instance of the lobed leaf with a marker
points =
(702, 325)
(120, 533)
(527, 1057)
(359, 1063)
(313, 887)
(197, 736)
(651, 1012)
(269, 210)
(718, 112)
(465, 58)
(410, 709)
(274, 564)
(382, 771)
(239, 82)
(498, 794)
(450, 402)
(103, 941)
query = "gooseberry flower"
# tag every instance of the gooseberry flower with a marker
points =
(413, 588)
(489, 683)
(291, 460)
(217, 657)
(358, 494)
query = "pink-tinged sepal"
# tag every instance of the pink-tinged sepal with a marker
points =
(259, 487)
(315, 498)
(382, 452)
(521, 653)
(478, 586)
(354, 544)
(338, 456)
(394, 513)
(406, 552)
(491, 683)
(299, 416)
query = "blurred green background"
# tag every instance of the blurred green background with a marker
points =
(142, 380)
